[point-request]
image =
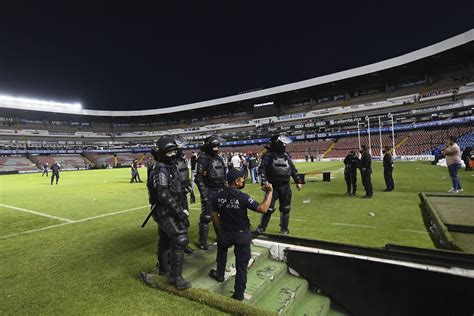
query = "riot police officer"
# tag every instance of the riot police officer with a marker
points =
(365, 166)
(165, 195)
(388, 169)
(350, 173)
(276, 167)
(210, 179)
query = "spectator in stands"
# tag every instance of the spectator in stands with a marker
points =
(229, 215)
(45, 169)
(134, 172)
(350, 173)
(55, 167)
(253, 166)
(452, 152)
(388, 169)
(466, 157)
(366, 171)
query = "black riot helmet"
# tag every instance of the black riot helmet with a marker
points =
(212, 144)
(278, 143)
(181, 142)
(165, 150)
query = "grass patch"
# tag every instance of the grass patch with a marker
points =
(92, 267)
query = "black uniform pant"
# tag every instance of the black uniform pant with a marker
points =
(281, 193)
(55, 175)
(367, 181)
(45, 171)
(205, 217)
(173, 239)
(388, 177)
(351, 181)
(241, 241)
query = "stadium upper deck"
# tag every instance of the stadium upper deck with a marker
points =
(449, 59)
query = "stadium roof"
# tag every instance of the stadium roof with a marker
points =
(46, 106)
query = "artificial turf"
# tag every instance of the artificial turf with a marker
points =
(91, 264)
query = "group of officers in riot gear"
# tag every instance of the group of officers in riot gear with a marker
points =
(168, 185)
(352, 162)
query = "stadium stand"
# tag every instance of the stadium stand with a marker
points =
(16, 163)
(430, 90)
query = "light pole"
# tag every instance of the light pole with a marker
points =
(358, 133)
(390, 115)
(367, 118)
(380, 136)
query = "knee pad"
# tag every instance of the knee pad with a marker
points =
(205, 218)
(285, 209)
(181, 240)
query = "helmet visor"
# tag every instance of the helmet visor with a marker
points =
(285, 139)
(180, 141)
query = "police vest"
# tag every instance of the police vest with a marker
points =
(279, 168)
(216, 172)
(183, 172)
(172, 180)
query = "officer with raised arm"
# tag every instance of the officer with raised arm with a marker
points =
(229, 215)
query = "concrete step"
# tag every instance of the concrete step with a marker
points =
(198, 264)
(281, 296)
(204, 281)
(262, 274)
(311, 303)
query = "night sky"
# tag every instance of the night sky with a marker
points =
(124, 58)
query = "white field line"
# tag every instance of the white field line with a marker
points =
(34, 230)
(110, 214)
(37, 213)
(352, 225)
(73, 222)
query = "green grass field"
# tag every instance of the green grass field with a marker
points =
(83, 249)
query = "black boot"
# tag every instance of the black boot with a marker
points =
(203, 234)
(164, 263)
(176, 270)
(264, 220)
(188, 250)
(284, 221)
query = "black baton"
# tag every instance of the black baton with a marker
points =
(149, 215)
